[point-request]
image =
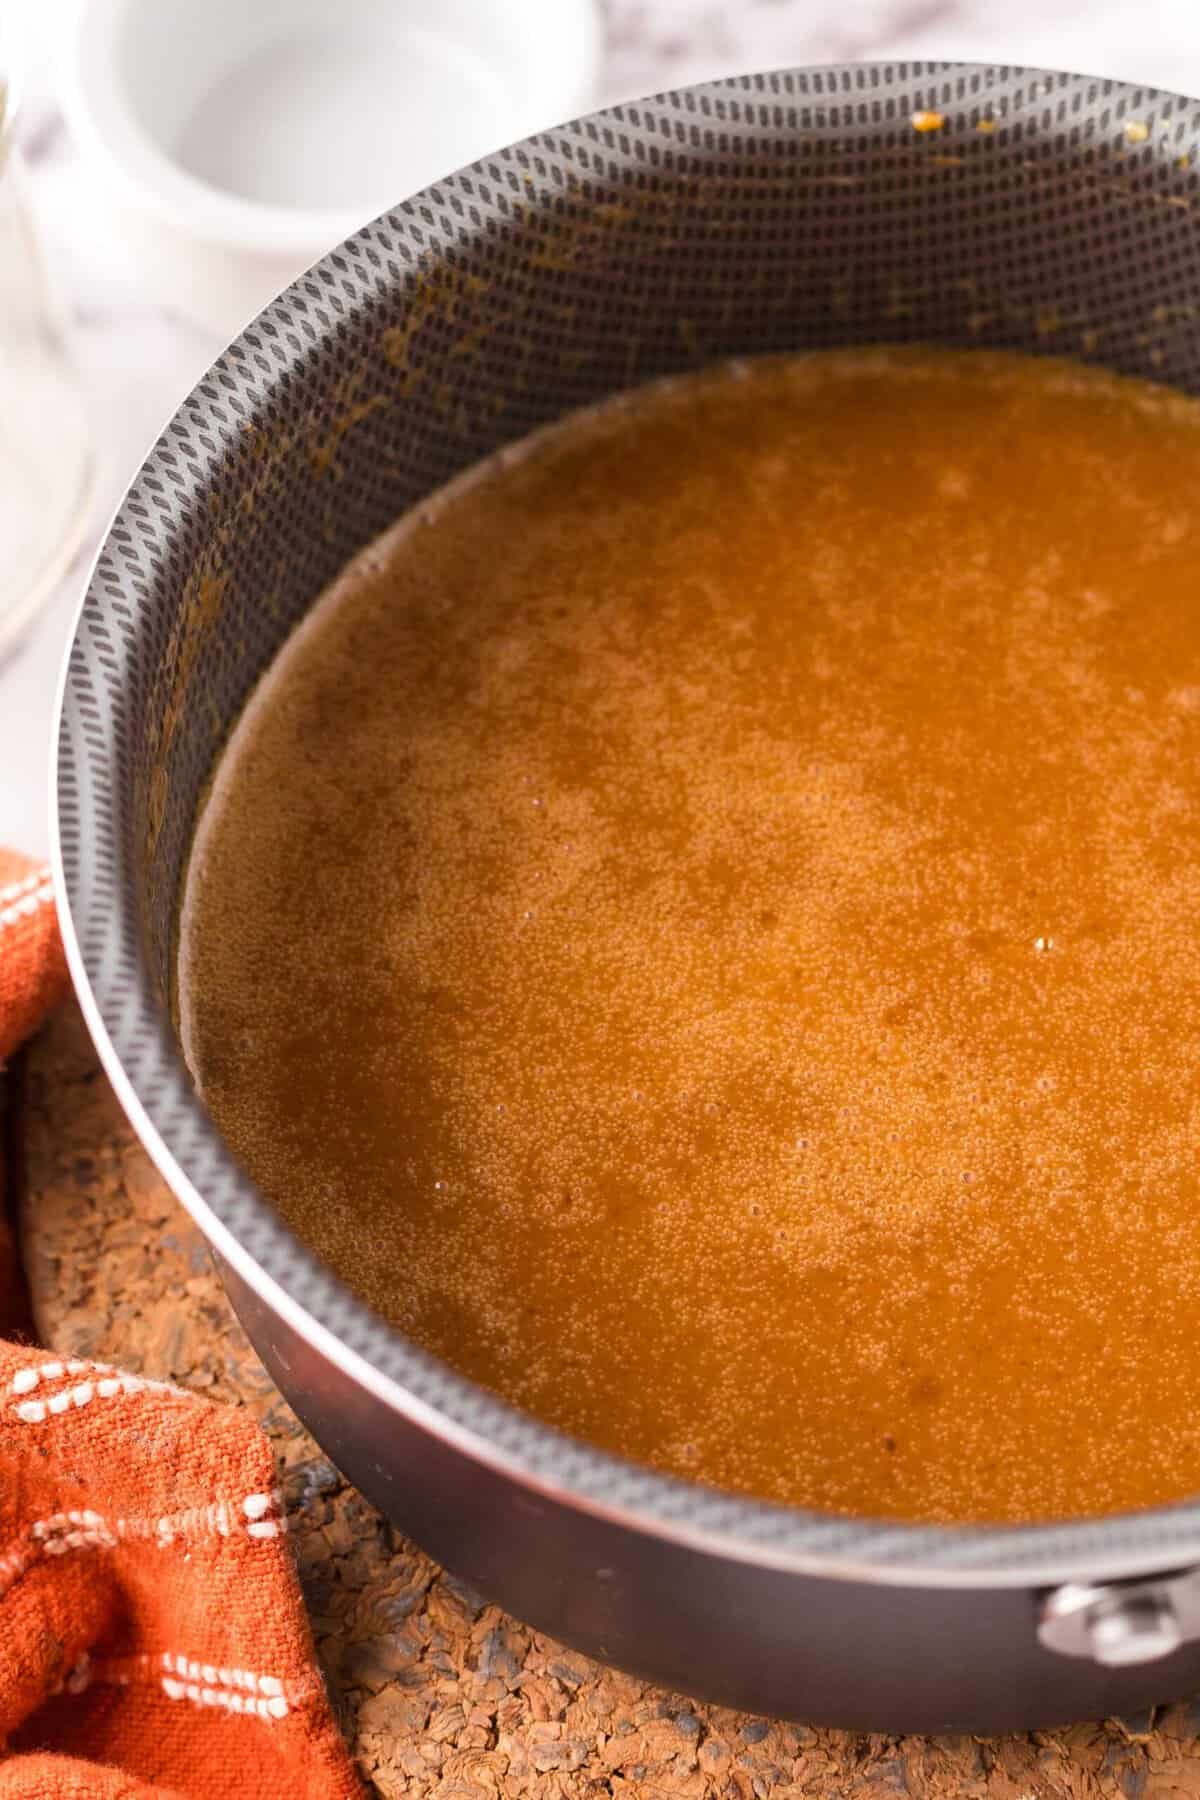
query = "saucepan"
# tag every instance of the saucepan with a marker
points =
(956, 204)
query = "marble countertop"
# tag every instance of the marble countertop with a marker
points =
(137, 359)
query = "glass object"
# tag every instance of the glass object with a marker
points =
(45, 456)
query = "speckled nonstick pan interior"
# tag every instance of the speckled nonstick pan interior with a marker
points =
(1047, 212)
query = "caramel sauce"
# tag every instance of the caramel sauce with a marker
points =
(701, 928)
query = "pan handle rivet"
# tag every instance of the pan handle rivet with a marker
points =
(1119, 1626)
(1138, 1629)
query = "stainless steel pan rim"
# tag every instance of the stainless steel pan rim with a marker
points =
(95, 880)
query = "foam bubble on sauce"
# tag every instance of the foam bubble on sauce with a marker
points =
(698, 928)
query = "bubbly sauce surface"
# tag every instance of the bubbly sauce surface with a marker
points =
(701, 928)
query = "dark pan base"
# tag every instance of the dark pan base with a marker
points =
(859, 1655)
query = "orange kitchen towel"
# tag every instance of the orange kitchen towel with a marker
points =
(32, 970)
(32, 975)
(153, 1642)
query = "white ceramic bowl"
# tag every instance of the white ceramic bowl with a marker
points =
(236, 140)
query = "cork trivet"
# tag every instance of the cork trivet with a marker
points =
(439, 1693)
